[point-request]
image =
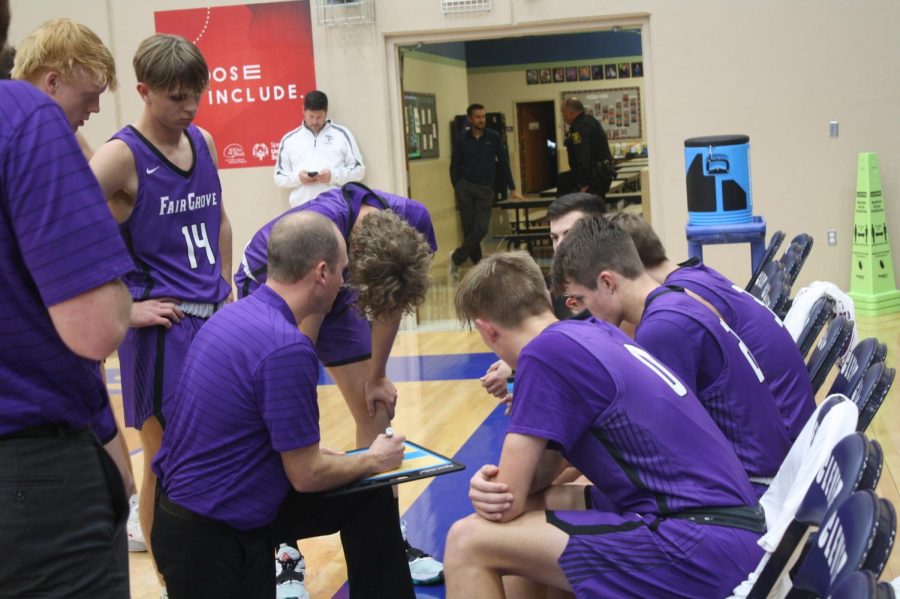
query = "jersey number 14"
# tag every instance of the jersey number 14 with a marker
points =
(195, 238)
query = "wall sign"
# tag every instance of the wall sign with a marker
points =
(260, 58)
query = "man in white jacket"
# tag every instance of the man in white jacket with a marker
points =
(317, 155)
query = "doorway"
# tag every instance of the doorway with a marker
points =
(536, 124)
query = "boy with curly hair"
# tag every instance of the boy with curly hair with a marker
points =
(391, 242)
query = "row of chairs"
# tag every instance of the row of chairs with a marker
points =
(864, 377)
(834, 539)
(855, 528)
(772, 279)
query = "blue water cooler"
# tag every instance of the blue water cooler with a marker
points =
(718, 179)
(719, 195)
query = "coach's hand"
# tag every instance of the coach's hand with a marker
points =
(489, 498)
(155, 312)
(386, 452)
(381, 390)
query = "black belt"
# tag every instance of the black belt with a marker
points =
(744, 517)
(44, 431)
(178, 511)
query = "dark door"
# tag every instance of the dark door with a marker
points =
(536, 122)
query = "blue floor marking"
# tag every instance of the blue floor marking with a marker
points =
(446, 499)
(445, 367)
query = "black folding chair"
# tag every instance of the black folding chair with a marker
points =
(774, 243)
(793, 261)
(772, 288)
(862, 585)
(874, 465)
(855, 366)
(856, 535)
(819, 314)
(871, 393)
(832, 345)
(840, 476)
(804, 243)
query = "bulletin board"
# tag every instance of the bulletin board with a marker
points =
(617, 109)
(420, 125)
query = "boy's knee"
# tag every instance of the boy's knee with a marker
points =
(463, 538)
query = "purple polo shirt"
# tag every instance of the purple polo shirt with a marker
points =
(57, 241)
(624, 420)
(247, 393)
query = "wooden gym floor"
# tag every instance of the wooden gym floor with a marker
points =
(442, 405)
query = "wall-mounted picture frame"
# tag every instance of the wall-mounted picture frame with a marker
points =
(637, 69)
(532, 77)
(597, 72)
(611, 71)
(624, 70)
(559, 75)
(546, 76)
(617, 109)
(584, 73)
(420, 125)
(571, 73)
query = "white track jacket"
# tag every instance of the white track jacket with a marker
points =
(334, 148)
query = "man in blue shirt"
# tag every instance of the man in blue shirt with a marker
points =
(476, 154)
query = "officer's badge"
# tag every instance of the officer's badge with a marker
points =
(576, 137)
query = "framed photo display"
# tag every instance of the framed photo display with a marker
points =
(617, 109)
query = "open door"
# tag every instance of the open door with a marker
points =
(536, 122)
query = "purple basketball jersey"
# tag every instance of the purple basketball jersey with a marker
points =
(765, 336)
(625, 421)
(332, 204)
(173, 231)
(703, 351)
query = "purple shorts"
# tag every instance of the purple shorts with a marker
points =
(150, 360)
(627, 555)
(345, 336)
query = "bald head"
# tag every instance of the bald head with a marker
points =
(298, 242)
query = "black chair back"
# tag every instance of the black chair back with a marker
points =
(839, 476)
(819, 314)
(831, 347)
(862, 585)
(774, 243)
(871, 393)
(855, 366)
(841, 546)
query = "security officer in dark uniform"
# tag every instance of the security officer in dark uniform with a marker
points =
(590, 160)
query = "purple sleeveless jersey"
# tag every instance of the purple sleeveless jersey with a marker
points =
(765, 336)
(642, 437)
(625, 421)
(703, 351)
(251, 273)
(173, 231)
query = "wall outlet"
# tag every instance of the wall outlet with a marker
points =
(831, 236)
(833, 129)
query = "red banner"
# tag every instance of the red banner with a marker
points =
(260, 59)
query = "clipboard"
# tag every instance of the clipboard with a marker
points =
(418, 462)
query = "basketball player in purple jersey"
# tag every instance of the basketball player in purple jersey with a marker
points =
(161, 182)
(762, 331)
(391, 241)
(69, 62)
(599, 267)
(62, 309)
(660, 520)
